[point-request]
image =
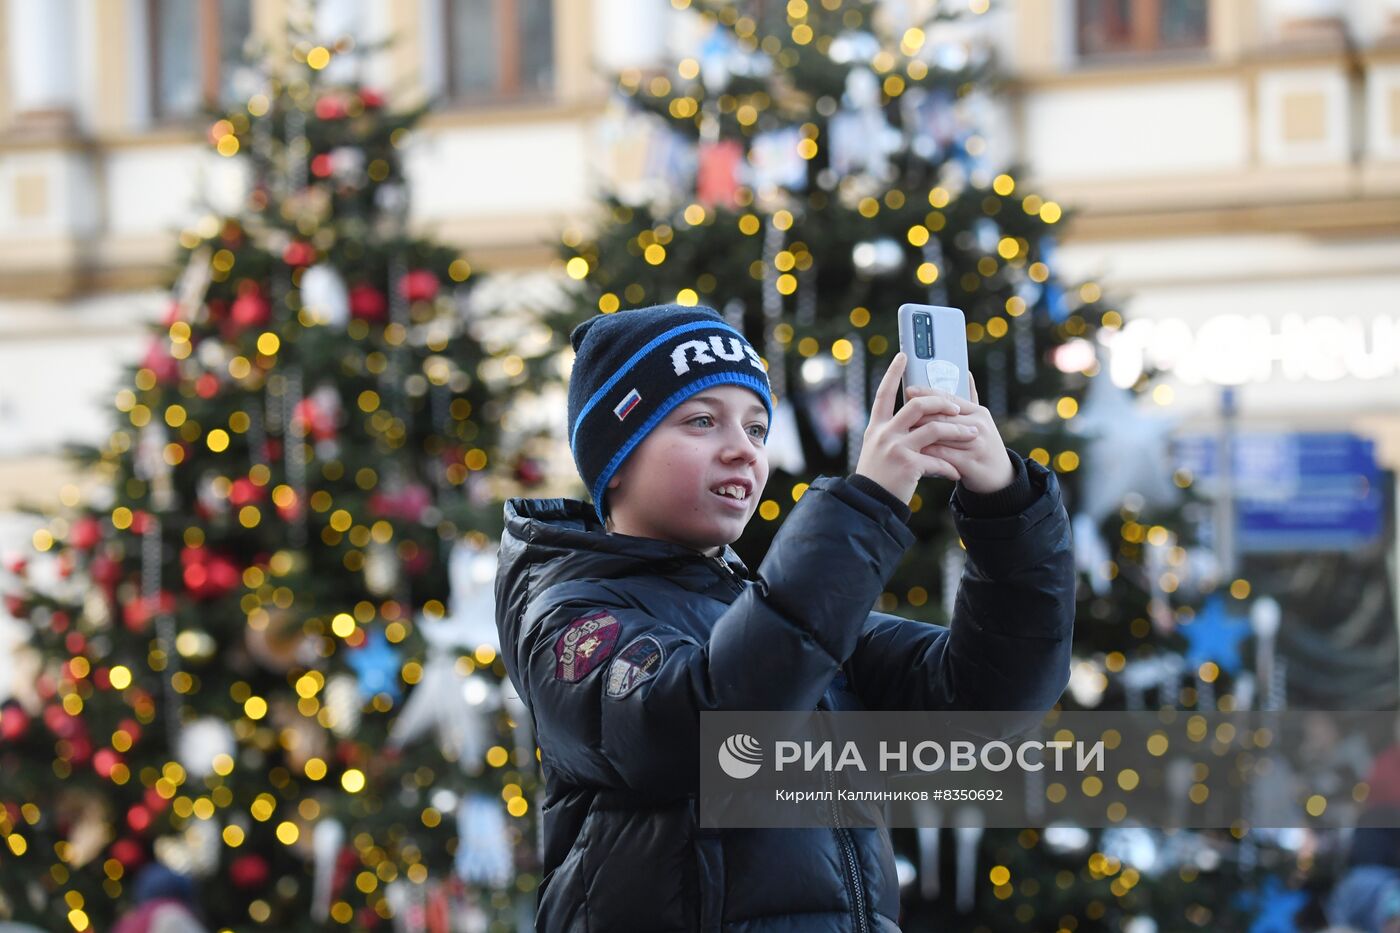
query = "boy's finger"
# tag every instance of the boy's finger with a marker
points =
(883, 409)
(936, 466)
(930, 391)
(972, 387)
(922, 407)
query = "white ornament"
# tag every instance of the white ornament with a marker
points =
(381, 569)
(1127, 451)
(876, 258)
(201, 742)
(324, 296)
(471, 607)
(326, 840)
(342, 699)
(1091, 556)
(483, 848)
(784, 442)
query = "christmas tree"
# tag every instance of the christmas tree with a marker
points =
(812, 166)
(265, 648)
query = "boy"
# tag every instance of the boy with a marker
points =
(620, 623)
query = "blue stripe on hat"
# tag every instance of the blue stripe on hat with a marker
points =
(742, 379)
(635, 358)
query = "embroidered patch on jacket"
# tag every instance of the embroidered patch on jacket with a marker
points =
(637, 663)
(586, 642)
(624, 407)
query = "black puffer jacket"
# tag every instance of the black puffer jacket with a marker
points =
(617, 643)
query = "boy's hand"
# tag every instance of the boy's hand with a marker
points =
(980, 460)
(901, 449)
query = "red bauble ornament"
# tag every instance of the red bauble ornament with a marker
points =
(528, 471)
(138, 818)
(321, 165)
(85, 533)
(208, 575)
(330, 108)
(128, 851)
(406, 504)
(299, 253)
(207, 386)
(153, 801)
(248, 871)
(250, 309)
(419, 285)
(370, 98)
(104, 761)
(14, 605)
(14, 722)
(315, 420)
(244, 491)
(159, 361)
(105, 570)
(368, 303)
(137, 614)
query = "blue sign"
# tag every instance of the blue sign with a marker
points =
(1294, 492)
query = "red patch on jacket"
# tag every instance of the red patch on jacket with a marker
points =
(585, 643)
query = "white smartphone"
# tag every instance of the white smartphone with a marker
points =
(934, 341)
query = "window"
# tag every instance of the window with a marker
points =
(197, 53)
(499, 48)
(1118, 27)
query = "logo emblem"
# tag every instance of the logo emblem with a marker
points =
(634, 665)
(703, 353)
(740, 756)
(585, 643)
(624, 407)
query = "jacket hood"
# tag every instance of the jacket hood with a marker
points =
(549, 541)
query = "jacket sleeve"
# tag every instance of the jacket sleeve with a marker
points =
(1008, 644)
(632, 721)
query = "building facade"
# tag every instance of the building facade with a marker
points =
(1232, 169)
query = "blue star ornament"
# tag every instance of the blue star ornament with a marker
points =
(1215, 635)
(376, 666)
(1273, 906)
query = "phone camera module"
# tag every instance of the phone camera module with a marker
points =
(923, 336)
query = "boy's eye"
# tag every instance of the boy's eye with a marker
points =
(759, 431)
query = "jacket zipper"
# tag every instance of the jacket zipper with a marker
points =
(843, 837)
(848, 858)
(848, 849)
(727, 573)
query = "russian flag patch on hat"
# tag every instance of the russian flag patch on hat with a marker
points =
(625, 406)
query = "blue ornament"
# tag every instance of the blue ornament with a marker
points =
(1276, 904)
(1215, 635)
(376, 665)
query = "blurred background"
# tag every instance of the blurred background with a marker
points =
(285, 290)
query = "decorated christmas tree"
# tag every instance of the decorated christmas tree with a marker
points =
(809, 167)
(263, 651)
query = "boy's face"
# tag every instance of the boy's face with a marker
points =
(665, 488)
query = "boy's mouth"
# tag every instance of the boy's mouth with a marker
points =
(737, 490)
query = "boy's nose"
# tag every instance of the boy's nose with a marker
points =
(737, 440)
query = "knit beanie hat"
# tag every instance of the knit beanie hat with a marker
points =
(631, 368)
